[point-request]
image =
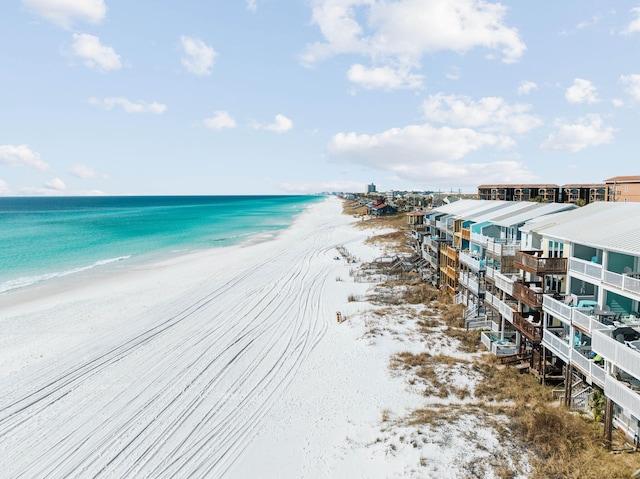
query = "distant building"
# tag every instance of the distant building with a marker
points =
(371, 188)
(623, 189)
(546, 193)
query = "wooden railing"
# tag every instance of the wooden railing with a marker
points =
(531, 298)
(530, 330)
(531, 262)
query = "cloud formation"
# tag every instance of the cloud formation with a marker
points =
(386, 77)
(4, 188)
(582, 91)
(632, 84)
(527, 87)
(128, 106)
(55, 184)
(220, 120)
(588, 131)
(282, 124)
(64, 12)
(399, 33)
(85, 172)
(489, 114)
(252, 6)
(198, 56)
(95, 55)
(634, 26)
(21, 155)
(428, 154)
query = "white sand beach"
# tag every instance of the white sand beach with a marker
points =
(224, 363)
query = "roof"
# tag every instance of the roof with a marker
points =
(606, 225)
(584, 185)
(536, 210)
(520, 185)
(416, 213)
(623, 179)
(464, 207)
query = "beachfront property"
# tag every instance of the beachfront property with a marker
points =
(578, 193)
(623, 188)
(556, 289)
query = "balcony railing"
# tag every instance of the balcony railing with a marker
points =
(588, 367)
(469, 283)
(530, 261)
(622, 395)
(531, 298)
(479, 239)
(557, 345)
(556, 308)
(505, 283)
(466, 234)
(497, 347)
(502, 249)
(616, 352)
(624, 282)
(473, 263)
(585, 268)
(530, 330)
(490, 272)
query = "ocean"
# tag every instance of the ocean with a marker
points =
(43, 238)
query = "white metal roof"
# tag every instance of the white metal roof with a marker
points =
(536, 210)
(607, 225)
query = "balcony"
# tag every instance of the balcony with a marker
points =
(499, 347)
(591, 370)
(620, 354)
(585, 268)
(531, 330)
(470, 284)
(528, 295)
(531, 262)
(625, 282)
(466, 234)
(557, 345)
(479, 239)
(623, 394)
(451, 253)
(505, 283)
(502, 249)
(557, 309)
(472, 262)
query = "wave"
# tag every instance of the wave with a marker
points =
(30, 280)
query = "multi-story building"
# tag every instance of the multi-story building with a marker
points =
(549, 193)
(591, 324)
(623, 188)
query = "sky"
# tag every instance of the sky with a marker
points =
(219, 97)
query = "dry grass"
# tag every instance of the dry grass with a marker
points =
(469, 339)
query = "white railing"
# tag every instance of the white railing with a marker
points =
(501, 249)
(474, 263)
(490, 299)
(622, 281)
(506, 310)
(616, 352)
(479, 239)
(585, 268)
(588, 367)
(556, 308)
(490, 272)
(441, 225)
(622, 395)
(495, 326)
(486, 340)
(580, 317)
(504, 283)
(555, 344)
(469, 283)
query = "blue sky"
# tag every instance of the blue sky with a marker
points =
(161, 97)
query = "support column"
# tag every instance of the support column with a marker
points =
(608, 423)
(568, 378)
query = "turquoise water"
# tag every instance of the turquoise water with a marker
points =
(45, 238)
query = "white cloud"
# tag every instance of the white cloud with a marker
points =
(632, 83)
(219, 120)
(95, 54)
(387, 77)
(4, 189)
(405, 30)
(489, 114)
(55, 184)
(634, 26)
(64, 12)
(588, 131)
(21, 155)
(252, 6)
(299, 188)
(282, 124)
(199, 57)
(527, 87)
(85, 172)
(582, 91)
(428, 154)
(129, 106)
